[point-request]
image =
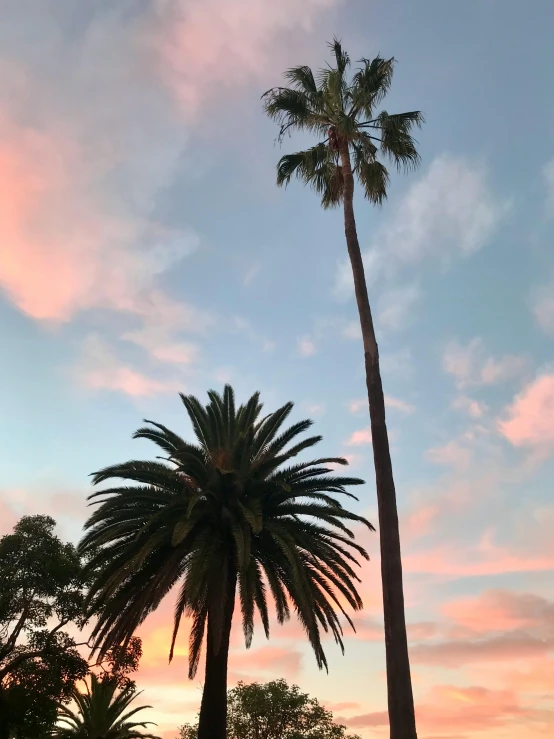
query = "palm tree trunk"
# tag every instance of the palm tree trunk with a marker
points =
(212, 722)
(399, 683)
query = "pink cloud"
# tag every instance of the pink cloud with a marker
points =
(473, 408)
(470, 365)
(100, 369)
(398, 404)
(207, 47)
(457, 710)
(359, 438)
(457, 652)
(451, 455)
(355, 406)
(530, 418)
(306, 347)
(500, 610)
(345, 706)
(419, 522)
(253, 664)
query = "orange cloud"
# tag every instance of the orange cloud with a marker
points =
(500, 610)
(457, 710)
(453, 654)
(451, 562)
(530, 418)
(253, 664)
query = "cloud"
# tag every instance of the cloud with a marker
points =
(473, 408)
(455, 653)
(543, 308)
(90, 140)
(306, 347)
(456, 710)
(352, 330)
(450, 562)
(249, 665)
(209, 47)
(80, 175)
(548, 176)
(451, 454)
(100, 369)
(529, 420)
(395, 308)
(448, 212)
(497, 610)
(344, 706)
(251, 274)
(360, 437)
(471, 366)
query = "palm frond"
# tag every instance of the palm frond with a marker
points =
(396, 140)
(228, 511)
(370, 85)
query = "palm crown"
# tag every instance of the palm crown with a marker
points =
(227, 510)
(344, 113)
(103, 711)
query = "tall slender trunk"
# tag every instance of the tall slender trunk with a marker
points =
(212, 722)
(399, 683)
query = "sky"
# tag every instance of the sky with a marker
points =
(145, 250)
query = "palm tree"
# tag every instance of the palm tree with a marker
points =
(228, 512)
(103, 712)
(344, 114)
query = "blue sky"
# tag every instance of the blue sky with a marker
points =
(146, 250)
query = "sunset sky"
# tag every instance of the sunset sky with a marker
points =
(145, 250)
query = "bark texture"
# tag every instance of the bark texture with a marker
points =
(399, 683)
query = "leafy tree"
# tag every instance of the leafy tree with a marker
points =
(103, 712)
(343, 113)
(275, 710)
(230, 512)
(41, 593)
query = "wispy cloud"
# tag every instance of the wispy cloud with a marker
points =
(470, 364)
(306, 346)
(210, 47)
(99, 368)
(473, 408)
(452, 454)
(543, 308)
(396, 307)
(548, 177)
(450, 211)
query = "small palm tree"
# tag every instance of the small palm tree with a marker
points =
(103, 712)
(354, 135)
(229, 512)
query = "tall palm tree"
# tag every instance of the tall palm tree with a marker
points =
(343, 112)
(103, 712)
(228, 512)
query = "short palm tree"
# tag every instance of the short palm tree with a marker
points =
(103, 712)
(354, 134)
(228, 512)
